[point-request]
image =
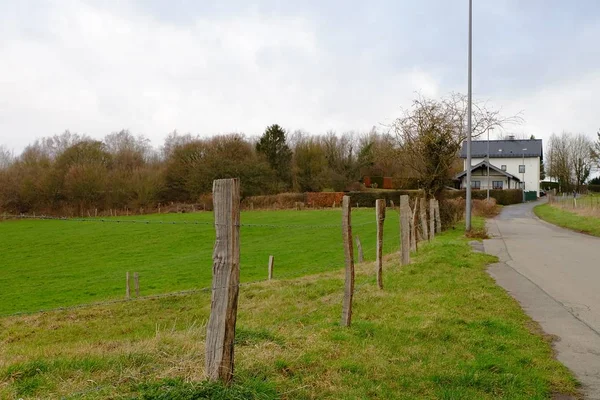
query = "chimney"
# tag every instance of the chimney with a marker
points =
(511, 137)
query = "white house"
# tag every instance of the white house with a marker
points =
(513, 164)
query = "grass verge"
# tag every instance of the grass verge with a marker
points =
(568, 219)
(441, 329)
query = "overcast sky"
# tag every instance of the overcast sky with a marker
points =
(209, 67)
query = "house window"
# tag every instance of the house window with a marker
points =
(521, 169)
(476, 184)
(497, 185)
(503, 167)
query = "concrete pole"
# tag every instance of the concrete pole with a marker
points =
(469, 98)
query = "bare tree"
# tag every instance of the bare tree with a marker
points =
(430, 135)
(582, 158)
(6, 157)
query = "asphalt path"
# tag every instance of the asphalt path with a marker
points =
(555, 274)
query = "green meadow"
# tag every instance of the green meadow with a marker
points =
(46, 264)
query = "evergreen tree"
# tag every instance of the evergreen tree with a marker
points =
(273, 145)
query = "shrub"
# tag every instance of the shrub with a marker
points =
(503, 197)
(275, 201)
(323, 199)
(485, 208)
(367, 199)
(451, 211)
(594, 188)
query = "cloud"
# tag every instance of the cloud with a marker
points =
(96, 70)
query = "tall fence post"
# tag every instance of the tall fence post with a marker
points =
(349, 259)
(359, 249)
(438, 219)
(413, 226)
(271, 264)
(220, 332)
(423, 214)
(431, 218)
(127, 288)
(405, 229)
(380, 215)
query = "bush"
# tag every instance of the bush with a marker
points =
(275, 201)
(503, 197)
(367, 199)
(594, 188)
(484, 208)
(323, 199)
(451, 211)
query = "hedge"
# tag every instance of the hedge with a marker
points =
(324, 199)
(593, 188)
(367, 199)
(503, 197)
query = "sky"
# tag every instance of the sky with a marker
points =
(213, 67)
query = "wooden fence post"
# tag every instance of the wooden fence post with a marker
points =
(380, 215)
(127, 291)
(438, 219)
(431, 218)
(361, 255)
(413, 229)
(271, 264)
(136, 283)
(349, 259)
(423, 213)
(405, 229)
(220, 331)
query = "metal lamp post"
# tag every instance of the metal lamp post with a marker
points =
(524, 150)
(488, 163)
(468, 194)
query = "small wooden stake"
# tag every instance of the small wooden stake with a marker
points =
(127, 291)
(136, 283)
(431, 218)
(405, 229)
(380, 215)
(349, 258)
(361, 256)
(220, 331)
(413, 226)
(271, 265)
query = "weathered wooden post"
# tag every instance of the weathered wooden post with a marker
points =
(405, 229)
(423, 214)
(361, 255)
(349, 259)
(414, 227)
(431, 218)
(136, 283)
(438, 219)
(271, 265)
(380, 215)
(220, 332)
(127, 291)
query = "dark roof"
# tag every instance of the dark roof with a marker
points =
(484, 164)
(510, 148)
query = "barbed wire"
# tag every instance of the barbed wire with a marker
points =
(184, 222)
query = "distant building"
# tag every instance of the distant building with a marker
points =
(514, 164)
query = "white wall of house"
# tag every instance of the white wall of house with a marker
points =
(532, 169)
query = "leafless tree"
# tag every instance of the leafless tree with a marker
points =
(430, 135)
(570, 159)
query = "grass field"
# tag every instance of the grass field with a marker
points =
(576, 220)
(440, 329)
(46, 264)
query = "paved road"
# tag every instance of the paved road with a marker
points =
(555, 274)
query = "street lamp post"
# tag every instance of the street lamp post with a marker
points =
(488, 164)
(524, 150)
(468, 194)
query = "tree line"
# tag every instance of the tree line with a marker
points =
(571, 158)
(72, 173)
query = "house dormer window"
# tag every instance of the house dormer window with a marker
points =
(521, 169)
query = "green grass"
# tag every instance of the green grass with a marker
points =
(440, 329)
(46, 264)
(568, 219)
